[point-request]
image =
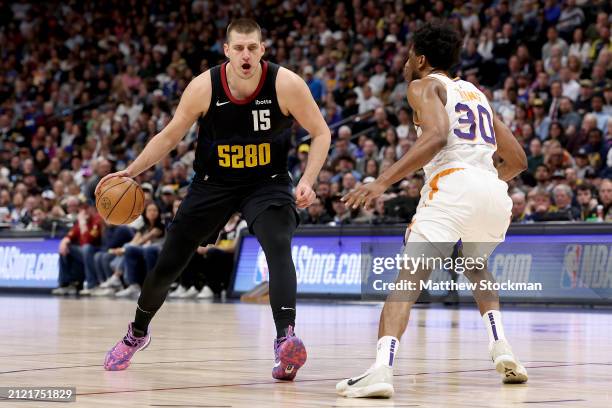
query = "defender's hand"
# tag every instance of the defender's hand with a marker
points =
(304, 195)
(364, 195)
(122, 173)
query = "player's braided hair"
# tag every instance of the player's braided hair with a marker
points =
(439, 43)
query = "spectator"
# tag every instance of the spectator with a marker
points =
(586, 203)
(605, 199)
(568, 119)
(553, 41)
(141, 252)
(167, 198)
(541, 208)
(210, 268)
(519, 206)
(583, 103)
(541, 121)
(342, 214)
(65, 117)
(314, 84)
(315, 214)
(563, 201)
(403, 128)
(571, 88)
(597, 104)
(580, 47)
(369, 101)
(113, 237)
(76, 251)
(535, 157)
(571, 18)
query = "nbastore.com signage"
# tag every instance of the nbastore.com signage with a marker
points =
(29, 263)
(572, 268)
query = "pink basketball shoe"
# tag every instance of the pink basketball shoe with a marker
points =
(290, 355)
(118, 358)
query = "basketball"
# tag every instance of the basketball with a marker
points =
(120, 201)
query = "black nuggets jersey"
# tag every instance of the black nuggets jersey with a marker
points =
(243, 139)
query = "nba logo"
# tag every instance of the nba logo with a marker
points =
(261, 271)
(571, 266)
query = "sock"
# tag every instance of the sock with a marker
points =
(141, 321)
(282, 331)
(493, 323)
(386, 350)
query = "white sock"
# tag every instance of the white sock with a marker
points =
(493, 322)
(386, 350)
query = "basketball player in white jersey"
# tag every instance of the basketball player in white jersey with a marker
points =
(464, 198)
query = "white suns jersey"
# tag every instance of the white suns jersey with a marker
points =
(471, 138)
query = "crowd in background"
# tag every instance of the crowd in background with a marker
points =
(84, 85)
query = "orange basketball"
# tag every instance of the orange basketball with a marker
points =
(120, 201)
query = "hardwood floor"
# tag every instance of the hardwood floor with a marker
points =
(220, 355)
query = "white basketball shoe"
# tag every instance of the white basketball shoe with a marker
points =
(510, 368)
(377, 382)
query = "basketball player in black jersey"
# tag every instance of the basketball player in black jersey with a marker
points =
(245, 108)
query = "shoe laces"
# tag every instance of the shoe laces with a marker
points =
(279, 341)
(131, 340)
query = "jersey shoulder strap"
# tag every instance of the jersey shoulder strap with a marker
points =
(215, 80)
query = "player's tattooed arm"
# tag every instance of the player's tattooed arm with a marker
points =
(509, 149)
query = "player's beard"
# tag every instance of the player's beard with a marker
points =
(411, 74)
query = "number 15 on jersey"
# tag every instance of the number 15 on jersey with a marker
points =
(261, 120)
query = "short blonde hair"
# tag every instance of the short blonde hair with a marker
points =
(243, 26)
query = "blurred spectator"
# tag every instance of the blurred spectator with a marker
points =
(605, 199)
(519, 206)
(554, 41)
(535, 157)
(86, 100)
(209, 270)
(563, 201)
(167, 198)
(571, 18)
(76, 251)
(142, 251)
(315, 214)
(113, 237)
(586, 203)
(342, 214)
(369, 101)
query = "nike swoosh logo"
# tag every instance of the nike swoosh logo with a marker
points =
(277, 364)
(286, 308)
(356, 380)
(220, 104)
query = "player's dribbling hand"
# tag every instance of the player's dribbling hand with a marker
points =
(304, 195)
(364, 195)
(122, 173)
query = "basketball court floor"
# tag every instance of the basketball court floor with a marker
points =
(220, 355)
